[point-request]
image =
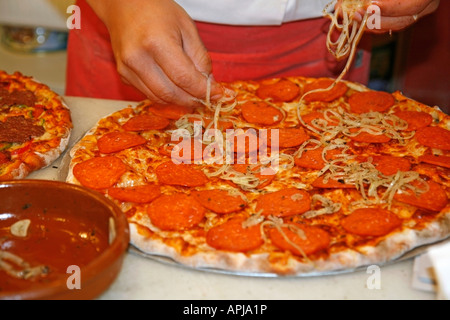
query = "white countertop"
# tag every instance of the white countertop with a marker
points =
(143, 278)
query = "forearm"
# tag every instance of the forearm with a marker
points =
(100, 7)
(107, 10)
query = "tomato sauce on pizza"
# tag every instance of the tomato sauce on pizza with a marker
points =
(352, 177)
(35, 126)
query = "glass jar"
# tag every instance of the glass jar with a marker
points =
(33, 39)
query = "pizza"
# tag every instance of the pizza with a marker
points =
(286, 176)
(35, 126)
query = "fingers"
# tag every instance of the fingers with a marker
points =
(389, 24)
(393, 8)
(201, 59)
(397, 23)
(162, 55)
(168, 77)
(187, 65)
(163, 73)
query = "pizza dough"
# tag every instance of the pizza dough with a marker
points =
(352, 177)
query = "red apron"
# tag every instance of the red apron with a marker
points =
(237, 53)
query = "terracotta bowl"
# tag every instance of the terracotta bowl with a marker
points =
(58, 241)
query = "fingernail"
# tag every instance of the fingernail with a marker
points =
(216, 97)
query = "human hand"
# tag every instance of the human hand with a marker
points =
(157, 49)
(397, 15)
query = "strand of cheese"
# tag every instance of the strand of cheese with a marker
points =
(19, 268)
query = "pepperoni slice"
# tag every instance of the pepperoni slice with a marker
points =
(244, 141)
(232, 236)
(180, 175)
(118, 141)
(331, 184)
(99, 172)
(368, 101)
(219, 201)
(144, 122)
(222, 124)
(170, 111)
(287, 137)
(389, 165)
(259, 112)
(441, 161)
(136, 194)
(313, 159)
(184, 151)
(435, 199)
(325, 96)
(283, 203)
(175, 212)
(415, 119)
(281, 91)
(313, 240)
(371, 222)
(369, 138)
(434, 137)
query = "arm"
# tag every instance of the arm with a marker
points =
(157, 49)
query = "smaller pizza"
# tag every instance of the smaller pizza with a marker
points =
(35, 126)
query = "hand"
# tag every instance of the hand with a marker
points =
(397, 15)
(157, 49)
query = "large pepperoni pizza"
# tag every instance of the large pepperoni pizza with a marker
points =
(35, 125)
(305, 180)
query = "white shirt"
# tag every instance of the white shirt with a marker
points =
(253, 12)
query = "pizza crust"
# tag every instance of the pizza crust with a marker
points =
(388, 250)
(391, 248)
(61, 130)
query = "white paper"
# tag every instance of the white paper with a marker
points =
(440, 259)
(423, 274)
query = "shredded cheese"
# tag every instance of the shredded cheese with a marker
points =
(18, 268)
(253, 220)
(351, 125)
(329, 207)
(246, 181)
(350, 32)
(226, 104)
(368, 180)
(236, 193)
(278, 223)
